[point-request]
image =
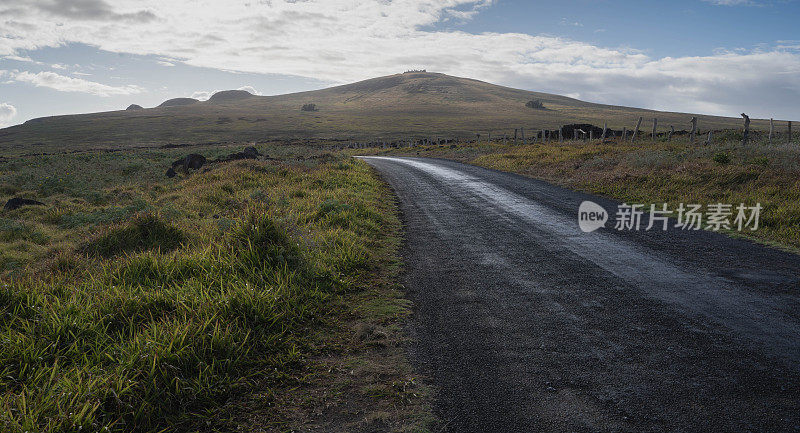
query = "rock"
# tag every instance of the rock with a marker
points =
(171, 172)
(249, 152)
(134, 107)
(18, 202)
(192, 160)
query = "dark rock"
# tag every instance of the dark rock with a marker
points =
(171, 172)
(18, 202)
(248, 153)
(134, 107)
(192, 160)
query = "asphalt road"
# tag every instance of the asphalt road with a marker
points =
(524, 323)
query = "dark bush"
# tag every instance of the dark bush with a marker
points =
(309, 107)
(536, 105)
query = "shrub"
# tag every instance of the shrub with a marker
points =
(722, 158)
(309, 107)
(536, 105)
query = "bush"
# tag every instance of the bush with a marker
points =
(722, 158)
(536, 105)
(309, 107)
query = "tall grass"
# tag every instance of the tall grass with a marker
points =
(167, 316)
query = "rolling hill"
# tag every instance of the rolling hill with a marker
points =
(412, 104)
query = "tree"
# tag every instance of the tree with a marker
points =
(309, 107)
(536, 105)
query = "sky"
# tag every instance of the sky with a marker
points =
(719, 57)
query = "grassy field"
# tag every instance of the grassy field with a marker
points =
(657, 172)
(214, 301)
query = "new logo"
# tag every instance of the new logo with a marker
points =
(591, 216)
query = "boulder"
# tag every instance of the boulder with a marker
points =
(170, 172)
(249, 152)
(192, 160)
(18, 202)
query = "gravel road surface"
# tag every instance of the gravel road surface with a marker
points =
(524, 323)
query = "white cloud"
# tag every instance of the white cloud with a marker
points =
(70, 84)
(342, 41)
(7, 113)
(58, 66)
(165, 63)
(250, 89)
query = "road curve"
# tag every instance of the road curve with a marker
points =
(524, 323)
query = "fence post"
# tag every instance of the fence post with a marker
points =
(591, 134)
(708, 141)
(671, 132)
(655, 127)
(694, 130)
(636, 131)
(790, 132)
(505, 139)
(515, 136)
(523, 135)
(746, 136)
(560, 134)
(624, 133)
(771, 129)
(605, 129)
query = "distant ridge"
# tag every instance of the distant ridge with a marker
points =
(229, 95)
(178, 102)
(407, 105)
(134, 107)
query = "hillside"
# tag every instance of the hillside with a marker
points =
(396, 106)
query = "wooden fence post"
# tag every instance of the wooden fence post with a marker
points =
(671, 132)
(771, 130)
(523, 135)
(708, 141)
(515, 136)
(505, 140)
(746, 136)
(790, 132)
(591, 134)
(605, 130)
(624, 133)
(694, 130)
(636, 131)
(561, 134)
(655, 127)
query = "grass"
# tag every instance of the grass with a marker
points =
(158, 302)
(661, 172)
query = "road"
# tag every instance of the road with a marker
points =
(524, 323)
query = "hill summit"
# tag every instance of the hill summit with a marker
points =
(412, 104)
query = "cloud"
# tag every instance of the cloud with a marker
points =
(7, 113)
(341, 41)
(250, 89)
(70, 84)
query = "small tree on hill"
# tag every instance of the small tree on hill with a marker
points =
(309, 107)
(536, 105)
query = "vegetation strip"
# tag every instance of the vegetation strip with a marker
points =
(210, 288)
